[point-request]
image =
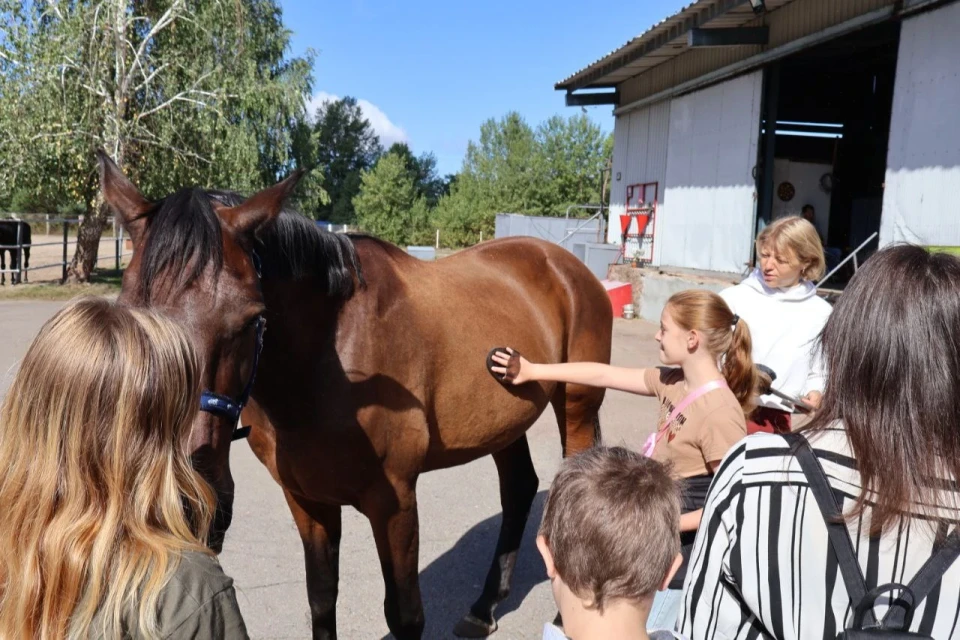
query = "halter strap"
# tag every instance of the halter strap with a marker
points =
(228, 408)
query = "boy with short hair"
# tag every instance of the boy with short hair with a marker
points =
(610, 538)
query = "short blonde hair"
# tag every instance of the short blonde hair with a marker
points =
(796, 235)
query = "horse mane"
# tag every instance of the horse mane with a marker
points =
(186, 237)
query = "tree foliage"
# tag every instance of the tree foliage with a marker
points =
(390, 203)
(203, 92)
(423, 172)
(342, 146)
(178, 92)
(514, 168)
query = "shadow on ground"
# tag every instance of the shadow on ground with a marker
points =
(451, 583)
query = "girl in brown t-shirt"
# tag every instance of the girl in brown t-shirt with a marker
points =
(706, 390)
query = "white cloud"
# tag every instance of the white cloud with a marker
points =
(387, 131)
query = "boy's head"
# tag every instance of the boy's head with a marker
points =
(611, 527)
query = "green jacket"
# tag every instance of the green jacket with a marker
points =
(198, 603)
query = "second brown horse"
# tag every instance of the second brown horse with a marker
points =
(372, 370)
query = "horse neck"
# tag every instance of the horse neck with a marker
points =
(305, 324)
(301, 313)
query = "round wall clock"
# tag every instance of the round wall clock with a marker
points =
(786, 191)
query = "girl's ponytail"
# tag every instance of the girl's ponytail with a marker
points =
(738, 367)
(726, 337)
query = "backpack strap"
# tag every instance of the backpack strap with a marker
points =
(900, 613)
(833, 518)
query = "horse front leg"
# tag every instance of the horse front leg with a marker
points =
(320, 528)
(391, 508)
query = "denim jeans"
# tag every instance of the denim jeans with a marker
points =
(665, 610)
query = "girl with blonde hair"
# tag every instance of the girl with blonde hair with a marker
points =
(104, 518)
(704, 394)
(780, 303)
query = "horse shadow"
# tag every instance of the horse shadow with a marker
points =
(451, 583)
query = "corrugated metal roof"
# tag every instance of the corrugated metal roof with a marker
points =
(627, 45)
(662, 41)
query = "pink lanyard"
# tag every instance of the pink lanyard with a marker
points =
(655, 438)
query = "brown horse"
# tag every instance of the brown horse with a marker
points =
(372, 369)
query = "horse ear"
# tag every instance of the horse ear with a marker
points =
(122, 196)
(262, 207)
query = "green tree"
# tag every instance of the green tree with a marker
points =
(344, 145)
(176, 91)
(389, 204)
(466, 213)
(574, 152)
(516, 169)
(507, 162)
(423, 171)
(310, 196)
(503, 172)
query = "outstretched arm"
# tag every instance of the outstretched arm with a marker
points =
(515, 369)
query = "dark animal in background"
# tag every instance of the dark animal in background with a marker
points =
(9, 241)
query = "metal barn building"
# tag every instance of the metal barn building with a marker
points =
(731, 113)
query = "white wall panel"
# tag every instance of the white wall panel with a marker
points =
(920, 200)
(621, 141)
(639, 155)
(706, 220)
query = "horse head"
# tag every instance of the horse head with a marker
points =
(193, 258)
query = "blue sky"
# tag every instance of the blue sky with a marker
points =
(430, 72)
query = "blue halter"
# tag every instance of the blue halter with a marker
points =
(228, 408)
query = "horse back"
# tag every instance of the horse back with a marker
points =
(429, 326)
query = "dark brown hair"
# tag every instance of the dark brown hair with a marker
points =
(612, 523)
(726, 336)
(892, 348)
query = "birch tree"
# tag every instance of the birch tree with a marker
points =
(177, 92)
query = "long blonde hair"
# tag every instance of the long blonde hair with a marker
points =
(726, 337)
(98, 494)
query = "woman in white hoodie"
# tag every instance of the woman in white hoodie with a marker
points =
(780, 305)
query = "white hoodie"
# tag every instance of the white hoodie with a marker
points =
(784, 325)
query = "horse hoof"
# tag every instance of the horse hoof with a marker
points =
(473, 627)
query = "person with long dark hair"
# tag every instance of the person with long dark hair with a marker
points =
(802, 530)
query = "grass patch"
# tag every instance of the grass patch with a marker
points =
(102, 283)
